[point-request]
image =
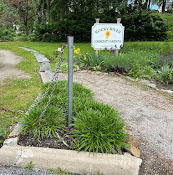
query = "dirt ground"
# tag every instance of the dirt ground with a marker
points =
(148, 113)
(8, 62)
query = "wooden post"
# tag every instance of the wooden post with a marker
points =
(97, 21)
(118, 22)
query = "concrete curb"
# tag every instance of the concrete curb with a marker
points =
(73, 161)
(82, 162)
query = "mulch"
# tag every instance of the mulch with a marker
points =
(65, 141)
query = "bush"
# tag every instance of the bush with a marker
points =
(6, 34)
(98, 127)
(125, 62)
(144, 26)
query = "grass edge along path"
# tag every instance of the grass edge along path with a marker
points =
(18, 94)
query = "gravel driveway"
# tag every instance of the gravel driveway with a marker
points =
(148, 112)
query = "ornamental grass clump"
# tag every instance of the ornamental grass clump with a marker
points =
(95, 128)
(99, 129)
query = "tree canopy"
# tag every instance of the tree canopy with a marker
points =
(53, 20)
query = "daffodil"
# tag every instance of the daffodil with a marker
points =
(84, 57)
(120, 54)
(78, 49)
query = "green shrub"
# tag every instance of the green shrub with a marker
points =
(139, 72)
(136, 71)
(125, 62)
(149, 73)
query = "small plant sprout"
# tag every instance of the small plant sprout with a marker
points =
(59, 171)
(30, 166)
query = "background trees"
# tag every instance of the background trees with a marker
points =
(53, 20)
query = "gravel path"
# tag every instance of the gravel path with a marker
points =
(8, 62)
(147, 112)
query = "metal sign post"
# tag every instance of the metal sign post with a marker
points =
(70, 78)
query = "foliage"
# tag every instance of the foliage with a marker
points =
(6, 33)
(136, 71)
(55, 117)
(168, 19)
(89, 61)
(106, 124)
(9, 16)
(30, 166)
(59, 171)
(99, 129)
(144, 26)
(166, 74)
(139, 72)
(26, 11)
(54, 20)
(124, 62)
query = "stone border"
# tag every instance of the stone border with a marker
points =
(73, 161)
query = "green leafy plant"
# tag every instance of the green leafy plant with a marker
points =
(99, 129)
(64, 67)
(89, 61)
(166, 74)
(30, 166)
(149, 73)
(136, 71)
(96, 127)
(97, 68)
(59, 171)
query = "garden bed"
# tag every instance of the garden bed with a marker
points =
(96, 127)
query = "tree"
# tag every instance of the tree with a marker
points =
(161, 3)
(26, 11)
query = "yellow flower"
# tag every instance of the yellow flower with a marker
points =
(84, 57)
(75, 51)
(73, 56)
(78, 49)
(120, 54)
(107, 33)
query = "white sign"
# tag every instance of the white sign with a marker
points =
(107, 36)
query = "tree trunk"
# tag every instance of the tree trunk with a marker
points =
(163, 6)
(26, 30)
(149, 2)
